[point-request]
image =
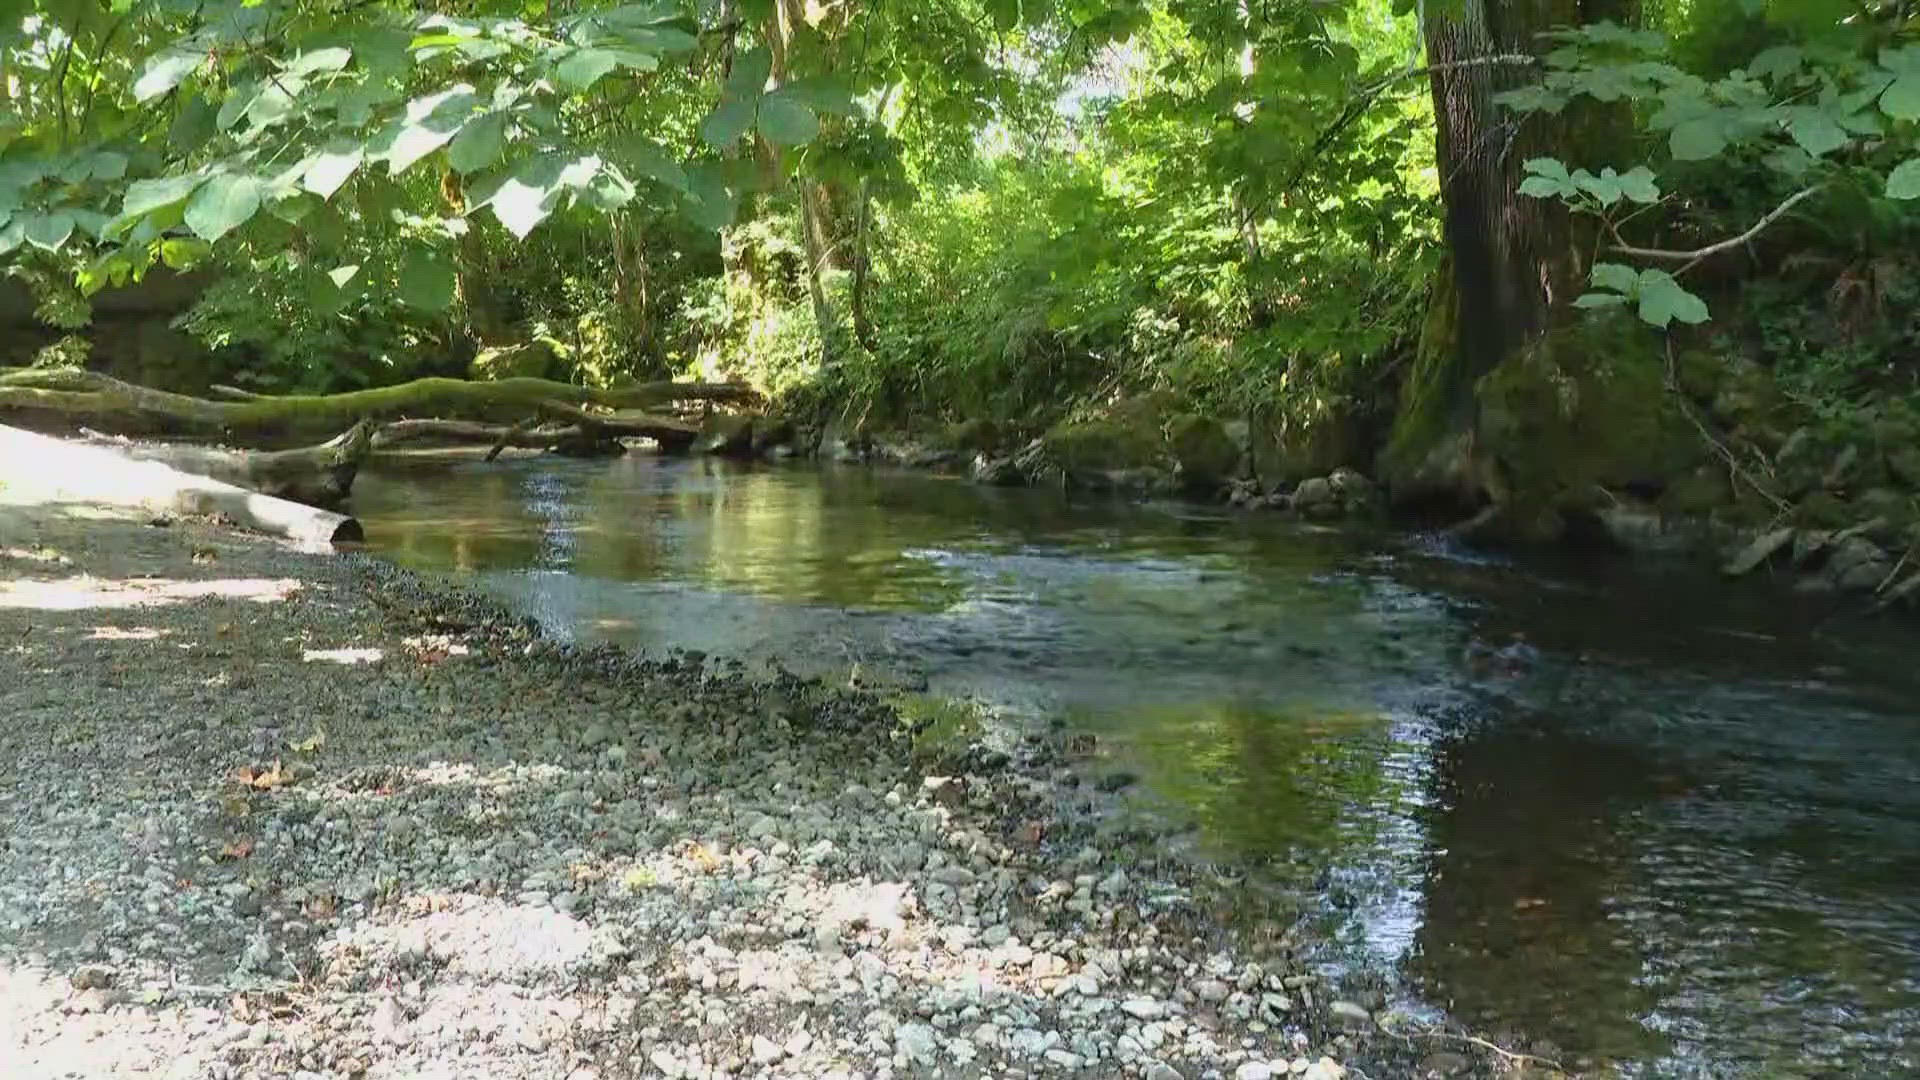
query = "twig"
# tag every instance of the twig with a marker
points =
(1513, 1056)
(1732, 242)
(1733, 463)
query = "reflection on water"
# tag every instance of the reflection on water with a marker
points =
(1622, 808)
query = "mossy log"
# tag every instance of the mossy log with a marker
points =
(586, 432)
(316, 475)
(45, 469)
(74, 397)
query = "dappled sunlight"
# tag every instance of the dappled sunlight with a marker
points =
(126, 633)
(84, 592)
(348, 656)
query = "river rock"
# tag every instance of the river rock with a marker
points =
(1314, 496)
(997, 471)
(1762, 548)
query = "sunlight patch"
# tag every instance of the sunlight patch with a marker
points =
(343, 656)
(125, 633)
(80, 593)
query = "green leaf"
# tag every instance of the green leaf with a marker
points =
(785, 121)
(193, 125)
(1662, 300)
(183, 252)
(1616, 277)
(145, 196)
(12, 236)
(320, 60)
(1638, 184)
(1904, 181)
(239, 99)
(1599, 300)
(647, 158)
(426, 281)
(332, 166)
(167, 69)
(340, 275)
(748, 78)
(584, 67)
(822, 94)
(223, 204)
(1698, 139)
(724, 126)
(1545, 187)
(527, 195)
(1552, 168)
(1604, 188)
(49, 232)
(479, 144)
(1816, 132)
(428, 124)
(1901, 100)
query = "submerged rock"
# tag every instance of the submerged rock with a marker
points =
(725, 434)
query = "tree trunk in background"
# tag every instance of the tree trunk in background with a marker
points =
(812, 211)
(1513, 261)
(862, 267)
(630, 276)
(472, 272)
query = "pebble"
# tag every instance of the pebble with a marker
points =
(519, 852)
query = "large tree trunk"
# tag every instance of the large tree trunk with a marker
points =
(43, 468)
(813, 211)
(73, 397)
(316, 475)
(1513, 265)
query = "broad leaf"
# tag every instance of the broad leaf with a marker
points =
(527, 195)
(1638, 184)
(1616, 277)
(332, 166)
(724, 126)
(748, 78)
(1599, 300)
(223, 204)
(1698, 140)
(320, 60)
(1901, 100)
(145, 196)
(48, 231)
(1663, 300)
(340, 275)
(785, 121)
(479, 144)
(426, 280)
(584, 67)
(1904, 182)
(645, 157)
(1816, 132)
(167, 69)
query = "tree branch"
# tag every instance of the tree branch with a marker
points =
(1725, 245)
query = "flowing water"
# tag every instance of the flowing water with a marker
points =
(1620, 806)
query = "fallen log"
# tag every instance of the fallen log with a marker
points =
(76, 397)
(46, 469)
(672, 435)
(316, 475)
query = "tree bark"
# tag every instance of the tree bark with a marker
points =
(47, 469)
(812, 213)
(316, 475)
(70, 396)
(862, 269)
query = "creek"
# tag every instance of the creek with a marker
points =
(1617, 805)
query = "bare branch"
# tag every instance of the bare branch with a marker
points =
(1725, 245)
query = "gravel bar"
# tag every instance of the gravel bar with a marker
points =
(274, 814)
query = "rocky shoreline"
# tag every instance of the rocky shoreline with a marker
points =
(273, 814)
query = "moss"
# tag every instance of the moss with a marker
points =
(1206, 453)
(535, 359)
(941, 729)
(1431, 395)
(1586, 406)
(978, 436)
(1128, 437)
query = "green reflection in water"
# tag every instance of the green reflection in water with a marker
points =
(1268, 780)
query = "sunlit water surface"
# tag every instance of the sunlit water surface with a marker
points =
(1622, 807)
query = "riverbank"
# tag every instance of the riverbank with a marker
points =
(278, 814)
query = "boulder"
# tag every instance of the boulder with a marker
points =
(997, 471)
(1315, 495)
(1204, 451)
(530, 359)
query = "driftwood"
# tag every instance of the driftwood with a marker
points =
(316, 475)
(73, 397)
(47, 469)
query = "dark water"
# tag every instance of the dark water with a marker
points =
(1622, 807)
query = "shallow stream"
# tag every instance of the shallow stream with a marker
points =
(1619, 806)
